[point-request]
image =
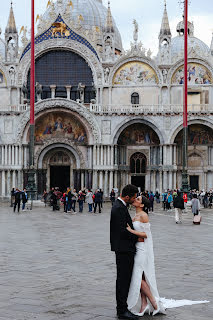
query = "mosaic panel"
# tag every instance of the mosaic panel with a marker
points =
(197, 74)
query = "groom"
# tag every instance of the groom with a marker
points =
(123, 244)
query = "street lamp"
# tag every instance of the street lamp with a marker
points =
(31, 186)
(185, 182)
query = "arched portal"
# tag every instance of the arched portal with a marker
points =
(200, 156)
(139, 156)
(138, 164)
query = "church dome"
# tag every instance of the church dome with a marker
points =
(177, 45)
(92, 13)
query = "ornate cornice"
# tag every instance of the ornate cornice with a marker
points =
(73, 106)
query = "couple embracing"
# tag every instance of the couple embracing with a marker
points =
(131, 240)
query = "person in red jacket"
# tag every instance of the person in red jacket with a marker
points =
(185, 199)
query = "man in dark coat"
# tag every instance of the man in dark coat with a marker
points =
(17, 202)
(97, 200)
(178, 204)
(123, 244)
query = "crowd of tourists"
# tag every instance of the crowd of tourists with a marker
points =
(71, 199)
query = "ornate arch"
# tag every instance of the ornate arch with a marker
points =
(65, 104)
(180, 63)
(62, 44)
(179, 126)
(5, 73)
(126, 123)
(125, 60)
(59, 143)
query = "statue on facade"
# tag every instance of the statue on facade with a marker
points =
(24, 90)
(12, 74)
(108, 49)
(11, 51)
(135, 34)
(38, 90)
(80, 90)
(164, 73)
(106, 74)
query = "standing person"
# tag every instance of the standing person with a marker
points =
(157, 196)
(123, 244)
(195, 205)
(24, 199)
(169, 200)
(97, 201)
(102, 197)
(112, 196)
(81, 201)
(164, 198)
(17, 202)
(12, 197)
(179, 206)
(54, 200)
(89, 199)
(44, 196)
(74, 199)
(151, 200)
(185, 199)
(143, 296)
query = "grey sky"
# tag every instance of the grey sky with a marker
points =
(148, 14)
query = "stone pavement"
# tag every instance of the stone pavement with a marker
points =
(56, 266)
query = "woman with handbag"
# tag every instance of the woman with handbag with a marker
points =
(196, 209)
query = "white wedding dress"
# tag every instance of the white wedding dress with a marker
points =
(144, 263)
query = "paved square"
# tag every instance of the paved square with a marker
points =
(59, 266)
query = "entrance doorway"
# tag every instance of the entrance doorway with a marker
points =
(60, 177)
(194, 182)
(138, 181)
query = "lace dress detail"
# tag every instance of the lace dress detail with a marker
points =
(144, 264)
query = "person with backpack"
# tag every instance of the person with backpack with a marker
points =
(17, 202)
(24, 199)
(178, 203)
(97, 200)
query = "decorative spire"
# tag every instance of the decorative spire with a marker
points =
(11, 24)
(165, 28)
(109, 24)
(211, 46)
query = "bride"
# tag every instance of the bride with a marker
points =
(143, 294)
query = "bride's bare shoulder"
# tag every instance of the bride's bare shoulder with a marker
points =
(144, 218)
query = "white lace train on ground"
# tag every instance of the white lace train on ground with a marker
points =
(144, 264)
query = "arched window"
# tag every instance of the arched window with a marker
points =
(135, 98)
(138, 163)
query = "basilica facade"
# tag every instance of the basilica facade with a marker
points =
(104, 117)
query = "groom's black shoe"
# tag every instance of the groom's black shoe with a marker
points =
(127, 315)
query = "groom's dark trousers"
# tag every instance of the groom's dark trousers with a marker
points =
(123, 243)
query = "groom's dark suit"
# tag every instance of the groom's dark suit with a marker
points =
(123, 243)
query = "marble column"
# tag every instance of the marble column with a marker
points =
(112, 156)
(3, 183)
(170, 180)
(20, 184)
(13, 156)
(105, 155)
(95, 180)
(164, 155)
(116, 179)
(16, 155)
(160, 182)
(53, 89)
(116, 155)
(175, 179)
(25, 157)
(205, 181)
(110, 181)
(102, 156)
(2, 155)
(165, 183)
(147, 180)
(170, 155)
(9, 155)
(161, 155)
(175, 154)
(82, 180)
(13, 179)
(68, 88)
(8, 182)
(5, 155)
(106, 184)
(108, 155)
(98, 155)
(101, 180)
(153, 181)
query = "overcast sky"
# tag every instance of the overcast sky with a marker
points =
(148, 14)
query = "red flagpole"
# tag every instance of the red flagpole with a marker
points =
(32, 71)
(185, 110)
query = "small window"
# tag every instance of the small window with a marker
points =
(135, 98)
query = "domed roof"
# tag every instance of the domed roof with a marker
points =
(92, 13)
(177, 45)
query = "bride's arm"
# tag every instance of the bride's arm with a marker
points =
(137, 233)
